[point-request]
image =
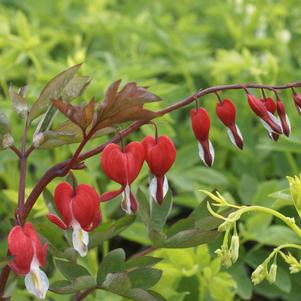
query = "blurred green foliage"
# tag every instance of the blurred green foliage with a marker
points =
(175, 47)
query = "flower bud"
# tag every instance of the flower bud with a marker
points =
(200, 123)
(7, 140)
(225, 256)
(271, 277)
(285, 123)
(226, 112)
(295, 190)
(297, 101)
(38, 139)
(259, 274)
(234, 248)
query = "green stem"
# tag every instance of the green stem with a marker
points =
(284, 246)
(287, 220)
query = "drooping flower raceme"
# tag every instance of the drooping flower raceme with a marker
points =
(159, 155)
(29, 255)
(123, 167)
(267, 118)
(79, 209)
(200, 122)
(226, 112)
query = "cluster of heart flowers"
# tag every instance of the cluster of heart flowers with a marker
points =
(79, 205)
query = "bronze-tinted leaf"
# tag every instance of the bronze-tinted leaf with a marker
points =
(19, 102)
(110, 97)
(88, 113)
(125, 105)
(128, 114)
(80, 115)
(135, 95)
(53, 90)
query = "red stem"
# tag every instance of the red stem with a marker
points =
(16, 151)
(22, 179)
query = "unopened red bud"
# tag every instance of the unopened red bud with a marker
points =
(200, 122)
(297, 101)
(286, 126)
(226, 112)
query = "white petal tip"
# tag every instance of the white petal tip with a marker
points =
(126, 200)
(36, 282)
(80, 240)
(153, 186)
(202, 154)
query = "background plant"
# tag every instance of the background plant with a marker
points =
(181, 47)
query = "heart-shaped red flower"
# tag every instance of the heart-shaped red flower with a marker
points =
(123, 167)
(159, 155)
(79, 209)
(29, 255)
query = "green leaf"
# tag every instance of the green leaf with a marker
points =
(144, 210)
(53, 90)
(190, 238)
(70, 270)
(62, 287)
(112, 263)
(118, 283)
(109, 230)
(51, 233)
(243, 281)
(69, 287)
(144, 277)
(275, 235)
(83, 282)
(159, 213)
(283, 280)
(136, 232)
(4, 261)
(49, 201)
(138, 294)
(145, 261)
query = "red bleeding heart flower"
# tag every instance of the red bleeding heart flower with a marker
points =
(297, 101)
(226, 112)
(271, 107)
(123, 167)
(159, 155)
(79, 209)
(285, 123)
(29, 255)
(200, 122)
(268, 119)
